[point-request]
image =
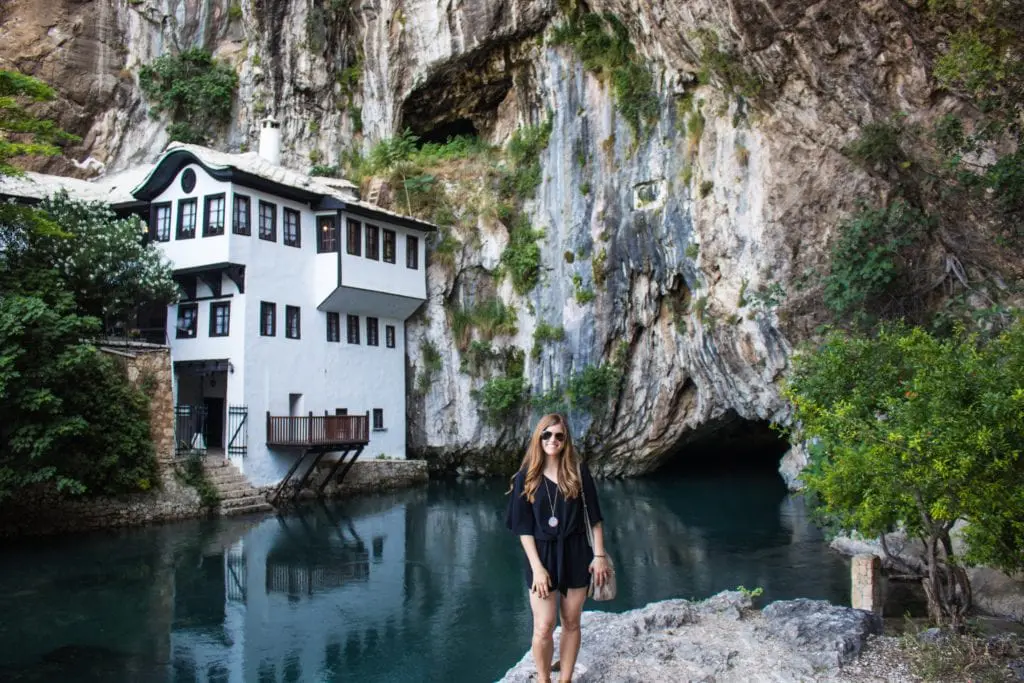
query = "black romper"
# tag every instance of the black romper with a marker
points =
(564, 550)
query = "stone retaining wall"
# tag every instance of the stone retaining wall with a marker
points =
(366, 476)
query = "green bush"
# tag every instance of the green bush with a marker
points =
(431, 365)
(725, 67)
(521, 258)
(544, 333)
(191, 472)
(501, 398)
(194, 89)
(523, 152)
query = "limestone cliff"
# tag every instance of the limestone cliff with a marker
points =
(693, 236)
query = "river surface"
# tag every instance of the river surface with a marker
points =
(419, 585)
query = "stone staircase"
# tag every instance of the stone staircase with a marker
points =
(237, 495)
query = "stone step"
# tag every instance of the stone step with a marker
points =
(242, 501)
(241, 491)
(248, 509)
(227, 479)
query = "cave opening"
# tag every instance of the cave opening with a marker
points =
(731, 446)
(441, 132)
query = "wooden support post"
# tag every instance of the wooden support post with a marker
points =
(284, 482)
(334, 468)
(344, 472)
(305, 477)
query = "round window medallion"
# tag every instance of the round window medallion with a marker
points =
(188, 180)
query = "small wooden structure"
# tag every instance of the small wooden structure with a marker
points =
(318, 435)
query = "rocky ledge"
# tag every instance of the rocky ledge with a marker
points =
(721, 639)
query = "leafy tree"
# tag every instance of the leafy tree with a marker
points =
(21, 132)
(194, 89)
(916, 432)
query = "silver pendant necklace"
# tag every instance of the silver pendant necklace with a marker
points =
(552, 520)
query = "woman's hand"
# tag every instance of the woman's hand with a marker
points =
(541, 582)
(600, 568)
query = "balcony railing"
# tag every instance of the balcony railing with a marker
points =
(318, 430)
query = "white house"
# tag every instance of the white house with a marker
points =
(294, 300)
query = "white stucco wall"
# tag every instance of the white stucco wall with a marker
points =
(267, 370)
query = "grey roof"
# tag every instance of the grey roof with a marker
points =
(115, 189)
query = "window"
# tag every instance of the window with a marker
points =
(268, 319)
(341, 411)
(353, 329)
(378, 419)
(292, 228)
(333, 327)
(220, 318)
(268, 221)
(352, 245)
(326, 234)
(188, 180)
(412, 252)
(372, 332)
(291, 321)
(186, 219)
(389, 246)
(186, 326)
(243, 215)
(373, 242)
(389, 336)
(160, 222)
(213, 216)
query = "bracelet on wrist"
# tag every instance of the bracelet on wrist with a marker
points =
(596, 555)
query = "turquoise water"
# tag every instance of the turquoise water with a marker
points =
(420, 585)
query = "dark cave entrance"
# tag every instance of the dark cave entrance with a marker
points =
(730, 446)
(445, 130)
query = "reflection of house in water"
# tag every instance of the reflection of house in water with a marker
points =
(297, 564)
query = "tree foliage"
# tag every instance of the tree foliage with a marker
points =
(21, 132)
(917, 432)
(194, 89)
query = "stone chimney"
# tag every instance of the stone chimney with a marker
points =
(270, 141)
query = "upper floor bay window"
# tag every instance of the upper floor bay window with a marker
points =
(186, 219)
(372, 242)
(389, 336)
(353, 329)
(372, 332)
(242, 224)
(268, 221)
(213, 215)
(292, 323)
(389, 246)
(185, 328)
(268, 318)
(354, 233)
(412, 252)
(220, 318)
(326, 234)
(333, 327)
(292, 228)
(160, 222)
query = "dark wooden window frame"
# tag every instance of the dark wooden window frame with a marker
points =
(180, 232)
(378, 420)
(265, 329)
(372, 242)
(390, 245)
(292, 240)
(190, 331)
(211, 229)
(412, 252)
(293, 313)
(372, 331)
(237, 226)
(326, 240)
(333, 326)
(215, 309)
(353, 237)
(352, 329)
(154, 224)
(271, 235)
(389, 336)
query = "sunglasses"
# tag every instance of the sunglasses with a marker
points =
(546, 436)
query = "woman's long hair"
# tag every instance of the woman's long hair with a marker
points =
(533, 462)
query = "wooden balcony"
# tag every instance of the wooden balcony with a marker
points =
(320, 432)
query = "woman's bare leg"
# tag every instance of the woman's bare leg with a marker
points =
(569, 644)
(544, 613)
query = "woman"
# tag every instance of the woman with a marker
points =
(546, 510)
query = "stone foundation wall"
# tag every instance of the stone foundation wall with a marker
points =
(366, 476)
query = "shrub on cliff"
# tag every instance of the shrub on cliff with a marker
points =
(917, 432)
(194, 89)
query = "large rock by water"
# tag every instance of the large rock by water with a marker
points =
(720, 639)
